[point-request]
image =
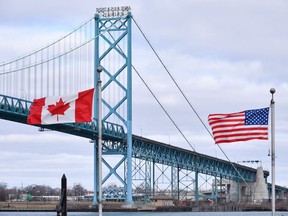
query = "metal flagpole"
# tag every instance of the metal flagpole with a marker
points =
(99, 70)
(272, 105)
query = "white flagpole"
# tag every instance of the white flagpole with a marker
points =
(99, 70)
(272, 105)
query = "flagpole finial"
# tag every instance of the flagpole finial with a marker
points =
(272, 91)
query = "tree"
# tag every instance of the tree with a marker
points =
(78, 190)
(13, 193)
(112, 185)
(37, 192)
(3, 191)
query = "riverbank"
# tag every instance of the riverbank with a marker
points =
(51, 206)
(119, 207)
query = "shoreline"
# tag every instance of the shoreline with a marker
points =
(118, 207)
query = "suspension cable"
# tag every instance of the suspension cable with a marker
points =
(151, 92)
(174, 81)
(170, 75)
(49, 60)
(49, 45)
(163, 108)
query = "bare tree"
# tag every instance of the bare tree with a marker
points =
(3, 191)
(78, 189)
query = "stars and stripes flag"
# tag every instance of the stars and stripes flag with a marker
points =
(240, 126)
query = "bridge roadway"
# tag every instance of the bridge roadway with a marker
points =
(17, 110)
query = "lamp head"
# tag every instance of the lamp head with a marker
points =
(272, 90)
(99, 69)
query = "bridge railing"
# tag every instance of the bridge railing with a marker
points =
(16, 109)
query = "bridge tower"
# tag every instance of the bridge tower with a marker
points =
(113, 53)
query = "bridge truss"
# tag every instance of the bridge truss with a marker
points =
(157, 167)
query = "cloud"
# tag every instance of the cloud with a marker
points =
(220, 27)
(22, 40)
(44, 168)
(224, 55)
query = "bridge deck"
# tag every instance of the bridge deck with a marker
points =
(15, 109)
(190, 160)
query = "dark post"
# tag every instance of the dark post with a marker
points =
(62, 207)
(64, 195)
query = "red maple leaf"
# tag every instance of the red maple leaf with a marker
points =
(59, 108)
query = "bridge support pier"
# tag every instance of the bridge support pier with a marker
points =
(237, 191)
(221, 189)
(215, 191)
(196, 187)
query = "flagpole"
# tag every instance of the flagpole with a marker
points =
(272, 105)
(99, 70)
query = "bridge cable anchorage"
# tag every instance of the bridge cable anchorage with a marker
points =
(149, 89)
(195, 112)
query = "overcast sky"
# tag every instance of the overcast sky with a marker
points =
(225, 55)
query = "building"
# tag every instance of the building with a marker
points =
(161, 201)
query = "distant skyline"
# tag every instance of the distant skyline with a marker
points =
(225, 55)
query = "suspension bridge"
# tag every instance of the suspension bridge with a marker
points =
(69, 65)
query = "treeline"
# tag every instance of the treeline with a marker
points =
(15, 193)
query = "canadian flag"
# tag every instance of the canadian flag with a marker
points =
(62, 109)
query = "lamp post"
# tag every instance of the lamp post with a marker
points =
(99, 70)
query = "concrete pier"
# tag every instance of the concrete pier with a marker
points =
(261, 189)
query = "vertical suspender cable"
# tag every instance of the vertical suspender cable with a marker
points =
(69, 67)
(23, 80)
(85, 59)
(59, 69)
(1, 81)
(36, 80)
(41, 76)
(18, 78)
(75, 64)
(9, 82)
(29, 78)
(53, 65)
(48, 72)
(65, 67)
(79, 59)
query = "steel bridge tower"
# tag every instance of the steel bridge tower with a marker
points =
(113, 53)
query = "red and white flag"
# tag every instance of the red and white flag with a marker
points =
(62, 109)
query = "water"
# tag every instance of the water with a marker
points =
(146, 213)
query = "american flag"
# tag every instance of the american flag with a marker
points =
(240, 126)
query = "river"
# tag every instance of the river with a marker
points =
(146, 213)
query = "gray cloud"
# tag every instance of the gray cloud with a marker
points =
(224, 55)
